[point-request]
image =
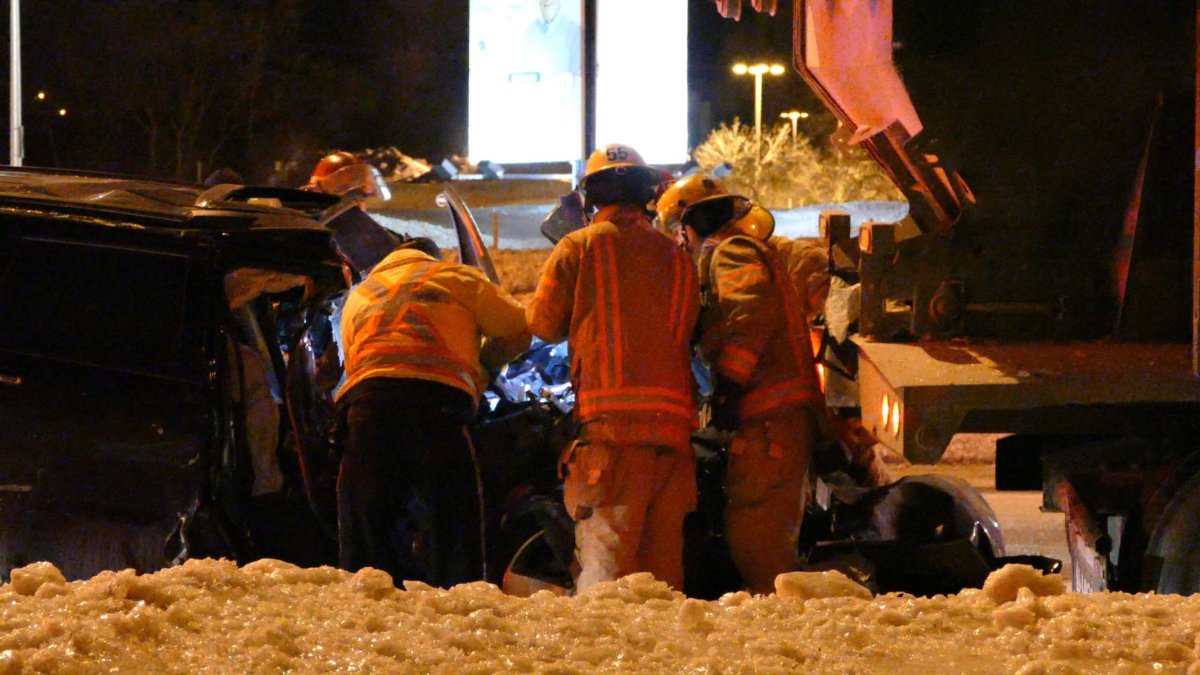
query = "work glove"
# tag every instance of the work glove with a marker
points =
(727, 395)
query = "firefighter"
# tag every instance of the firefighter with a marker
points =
(806, 263)
(415, 370)
(627, 298)
(754, 335)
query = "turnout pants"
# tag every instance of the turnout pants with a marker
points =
(628, 503)
(766, 485)
(408, 490)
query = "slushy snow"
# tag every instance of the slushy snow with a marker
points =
(209, 616)
(520, 223)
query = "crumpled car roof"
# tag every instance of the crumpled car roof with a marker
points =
(160, 202)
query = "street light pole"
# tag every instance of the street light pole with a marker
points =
(792, 116)
(757, 70)
(16, 133)
(758, 108)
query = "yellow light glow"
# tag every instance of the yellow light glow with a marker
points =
(821, 376)
(896, 418)
(41, 96)
(884, 411)
(758, 69)
(62, 112)
(803, 115)
(864, 240)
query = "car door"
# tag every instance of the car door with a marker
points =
(104, 408)
(471, 249)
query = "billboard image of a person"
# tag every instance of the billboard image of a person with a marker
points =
(526, 83)
(552, 42)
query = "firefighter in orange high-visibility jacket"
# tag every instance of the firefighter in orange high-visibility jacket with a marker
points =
(420, 335)
(627, 298)
(754, 335)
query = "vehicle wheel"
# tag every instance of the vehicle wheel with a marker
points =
(1173, 554)
(535, 568)
(79, 546)
(932, 507)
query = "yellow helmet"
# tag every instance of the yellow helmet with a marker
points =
(617, 173)
(758, 223)
(683, 193)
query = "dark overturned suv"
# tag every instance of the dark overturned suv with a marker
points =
(160, 349)
(167, 369)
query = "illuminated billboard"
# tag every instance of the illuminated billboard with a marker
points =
(526, 79)
(641, 77)
(526, 82)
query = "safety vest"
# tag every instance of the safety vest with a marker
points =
(627, 298)
(416, 317)
(753, 329)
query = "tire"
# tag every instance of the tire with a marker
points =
(80, 546)
(535, 568)
(914, 504)
(1173, 553)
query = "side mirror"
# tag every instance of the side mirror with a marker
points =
(565, 218)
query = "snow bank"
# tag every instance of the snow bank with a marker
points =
(804, 222)
(442, 235)
(210, 616)
(520, 223)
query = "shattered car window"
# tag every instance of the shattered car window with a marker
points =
(543, 372)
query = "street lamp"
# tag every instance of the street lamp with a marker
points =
(46, 112)
(758, 70)
(792, 116)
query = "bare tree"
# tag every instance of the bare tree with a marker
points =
(188, 74)
(792, 172)
(159, 85)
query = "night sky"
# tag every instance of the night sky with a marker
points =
(268, 81)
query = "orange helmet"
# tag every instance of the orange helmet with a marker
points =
(330, 163)
(342, 173)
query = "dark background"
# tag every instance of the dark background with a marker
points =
(176, 88)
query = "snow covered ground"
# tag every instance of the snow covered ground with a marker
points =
(804, 222)
(519, 223)
(209, 616)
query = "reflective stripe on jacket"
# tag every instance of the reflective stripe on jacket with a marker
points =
(627, 298)
(420, 318)
(753, 327)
